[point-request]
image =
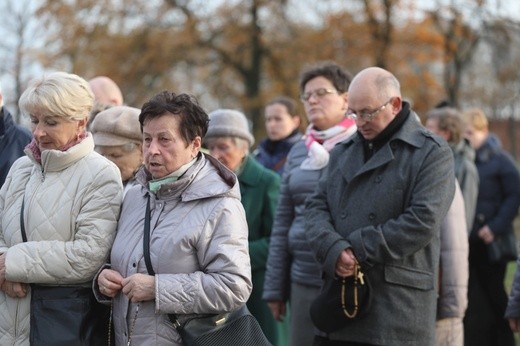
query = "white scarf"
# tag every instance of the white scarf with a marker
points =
(319, 143)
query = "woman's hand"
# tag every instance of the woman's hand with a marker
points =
(514, 323)
(486, 234)
(109, 282)
(14, 289)
(2, 269)
(139, 287)
(277, 309)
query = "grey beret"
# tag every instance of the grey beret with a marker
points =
(117, 125)
(229, 123)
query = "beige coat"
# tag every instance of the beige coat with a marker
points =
(72, 204)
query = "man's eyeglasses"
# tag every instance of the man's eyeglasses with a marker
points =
(318, 92)
(367, 115)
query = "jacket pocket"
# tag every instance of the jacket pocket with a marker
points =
(409, 277)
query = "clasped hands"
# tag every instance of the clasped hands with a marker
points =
(12, 289)
(345, 264)
(137, 287)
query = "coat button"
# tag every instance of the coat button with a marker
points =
(134, 265)
(371, 216)
(378, 179)
(343, 215)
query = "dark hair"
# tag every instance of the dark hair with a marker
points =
(193, 119)
(287, 102)
(448, 119)
(330, 70)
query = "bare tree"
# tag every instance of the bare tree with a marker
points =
(16, 46)
(460, 41)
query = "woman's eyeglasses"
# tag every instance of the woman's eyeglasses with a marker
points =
(318, 92)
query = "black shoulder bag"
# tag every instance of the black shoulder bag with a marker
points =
(235, 328)
(65, 315)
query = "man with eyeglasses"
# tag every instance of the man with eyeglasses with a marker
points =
(378, 209)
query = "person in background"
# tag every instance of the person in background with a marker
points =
(106, 94)
(447, 123)
(198, 253)
(228, 139)
(293, 277)
(70, 197)
(379, 206)
(453, 267)
(13, 139)
(117, 136)
(452, 299)
(497, 206)
(282, 124)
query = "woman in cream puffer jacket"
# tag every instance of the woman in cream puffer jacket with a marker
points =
(71, 198)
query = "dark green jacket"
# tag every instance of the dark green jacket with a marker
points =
(259, 189)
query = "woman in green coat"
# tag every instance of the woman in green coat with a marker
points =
(229, 139)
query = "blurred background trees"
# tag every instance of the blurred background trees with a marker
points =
(241, 53)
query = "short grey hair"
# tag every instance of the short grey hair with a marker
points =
(59, 94)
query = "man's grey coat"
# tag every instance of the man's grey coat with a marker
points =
(389, 211)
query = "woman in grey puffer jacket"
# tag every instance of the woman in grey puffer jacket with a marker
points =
(198, 248)
(292, 273)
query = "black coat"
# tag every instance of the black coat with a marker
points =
(499, 191)
(13, 140)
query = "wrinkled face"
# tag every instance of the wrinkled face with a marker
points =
(327, 110)
(226, 151)
(279, 124)
(128, 161)
(383, 111)
(164, 149)
(475, 137)
(432, 124)
(53, 132)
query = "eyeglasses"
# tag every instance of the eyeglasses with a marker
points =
(367, 115)
(318, 92)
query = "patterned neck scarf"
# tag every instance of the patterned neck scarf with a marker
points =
(37, 154)
(319, 143)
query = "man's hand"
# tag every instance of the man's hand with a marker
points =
(139, 287)
(345, 263)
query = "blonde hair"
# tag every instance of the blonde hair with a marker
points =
(476, 118)
(59, 94)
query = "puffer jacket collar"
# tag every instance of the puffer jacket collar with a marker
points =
(197, 182)
(56, 160)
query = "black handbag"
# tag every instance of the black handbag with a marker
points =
(65, 315)
(235, 328)
(341, 302)
(503, 248)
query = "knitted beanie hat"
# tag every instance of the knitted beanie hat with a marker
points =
(117, 125)
(229, 123)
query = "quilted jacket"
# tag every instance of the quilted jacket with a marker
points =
(72, 203)
(198, 250)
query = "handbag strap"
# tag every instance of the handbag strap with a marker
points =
(146, 239)
(22, 225)
(146, 251)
